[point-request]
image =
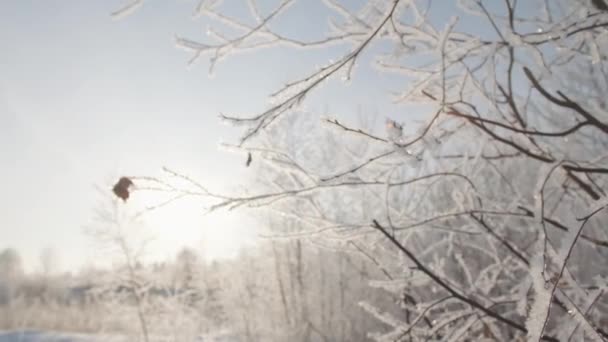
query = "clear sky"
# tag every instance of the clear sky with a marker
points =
(85, 99)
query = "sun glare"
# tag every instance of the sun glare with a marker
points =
(183, 223)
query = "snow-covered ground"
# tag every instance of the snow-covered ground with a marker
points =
(43, 336)
(40, 336)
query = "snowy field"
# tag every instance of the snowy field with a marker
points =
(42, 336)
(39, 336)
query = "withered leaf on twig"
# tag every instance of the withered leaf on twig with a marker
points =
(121, 189)
(249, 159)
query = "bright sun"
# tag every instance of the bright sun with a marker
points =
(183, 223)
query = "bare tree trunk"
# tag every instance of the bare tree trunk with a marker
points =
(323, 295)
(247, 325)
(135, 288)
(277, 271)
(300, 277)
(342, 285)
(292, 294)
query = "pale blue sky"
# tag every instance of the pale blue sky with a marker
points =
(84, 98)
